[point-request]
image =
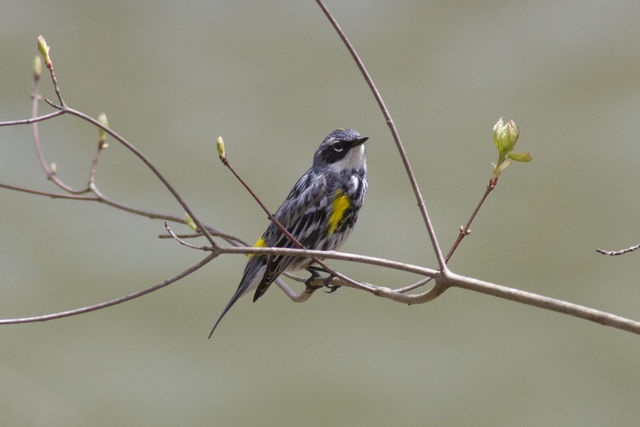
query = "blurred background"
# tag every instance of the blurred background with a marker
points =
(274, 79)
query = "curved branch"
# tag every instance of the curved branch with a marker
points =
(32, 119)
(109, 303)
(52, 195)
(51, 175)
(101, 198)
(182, 242)
(145, 160)
(394, 132)
(619, 251)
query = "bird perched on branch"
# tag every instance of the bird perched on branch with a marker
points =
(320, 212)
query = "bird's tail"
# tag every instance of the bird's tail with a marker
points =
(241, 290)
(252, 276)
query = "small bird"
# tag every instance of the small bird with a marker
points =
(320, 212)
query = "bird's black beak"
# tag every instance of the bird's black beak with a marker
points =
(359, 141)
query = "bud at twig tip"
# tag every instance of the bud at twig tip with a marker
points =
(53, 167)
(104, 121)
(505, 136)
(102, 118)
(44, 48)
(220, 147)
(189, 221)
(37, 67)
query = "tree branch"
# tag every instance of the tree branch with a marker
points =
(394, 133)
(620, 251)
(116, 301)
(32, 119)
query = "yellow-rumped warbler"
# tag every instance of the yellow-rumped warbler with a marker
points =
(319, 212)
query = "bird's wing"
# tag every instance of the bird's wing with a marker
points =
(302, 215)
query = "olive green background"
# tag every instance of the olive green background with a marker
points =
(273, 79)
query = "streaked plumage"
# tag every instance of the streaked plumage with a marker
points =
(319, 212)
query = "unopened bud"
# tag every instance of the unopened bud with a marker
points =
(37, 67)
(220, 147)
(53, 167)
(44, 48)
(505, 136)
(189, 221)
(102, 118)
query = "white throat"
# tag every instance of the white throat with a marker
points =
(355, 159)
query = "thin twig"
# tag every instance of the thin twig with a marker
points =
(154, 215)
(101, 198)
(618, 252)
(181, 236)
(54, 80)
(394, 133)
(51, 175)
(464, 232)
(109, 303)
(420, 283)
(32, 119)
(94, 163)
(149, 165)
(182, 242)
(52, 195)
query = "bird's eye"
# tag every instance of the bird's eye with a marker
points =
(338, 146)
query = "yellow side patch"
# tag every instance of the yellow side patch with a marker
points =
(259, 244)
(340, 204)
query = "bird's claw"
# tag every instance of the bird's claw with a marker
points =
(326, 283)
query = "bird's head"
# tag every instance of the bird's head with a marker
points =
(342, 149)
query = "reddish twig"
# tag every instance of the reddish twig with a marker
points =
(94, 163)
(466, 229)
(464, 232)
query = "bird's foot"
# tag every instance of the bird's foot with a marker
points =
(326, 283)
